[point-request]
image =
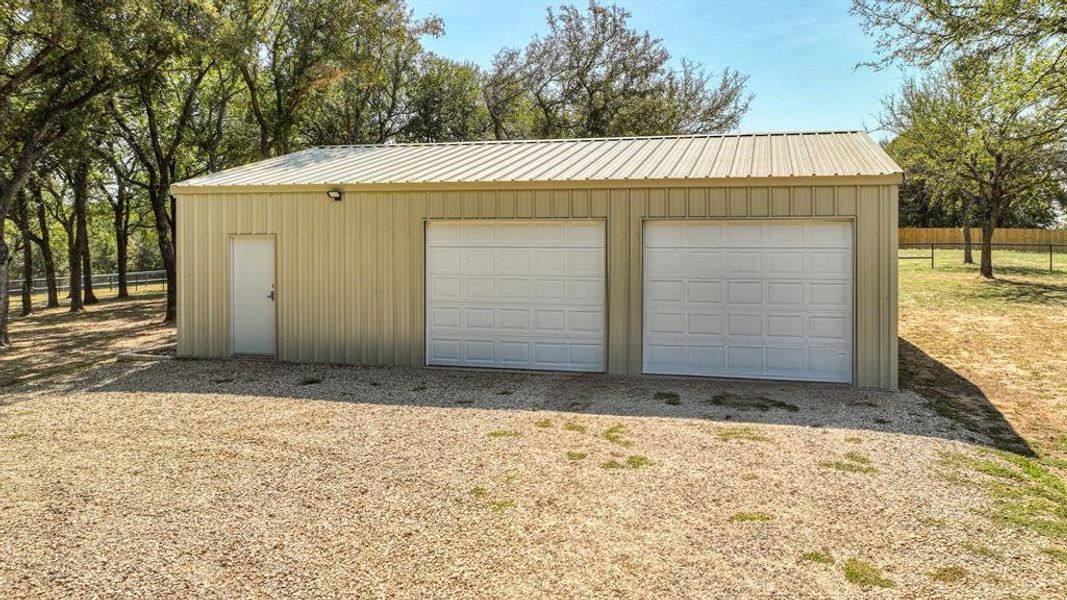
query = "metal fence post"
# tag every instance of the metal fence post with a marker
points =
(931, 255)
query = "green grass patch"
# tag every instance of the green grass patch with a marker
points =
(503, 433)
(311, 380)
(749, 477)
(671, 398)
(544, 423)
(576, 455)
(637, 461)
(478, 491)
(1024, 492)
(848, 467)
(501, 505)
(949, 574)
(853, 439)
(981, 550)
(17, 436)
(865, 575)
(749, 517)
(821, 558)
(614, 434)
(858, 458)
(512, 476)
(1058, 553)
(575, 427)
(743, 433)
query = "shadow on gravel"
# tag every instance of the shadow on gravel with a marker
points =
(967, 414)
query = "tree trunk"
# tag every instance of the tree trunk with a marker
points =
(122, 240)
(4, 339)
(159, 197)
(81, 240)
(27, 255)
(80, 237)
(965, 217)
(987, 250)
(88, 297)
(46, 251)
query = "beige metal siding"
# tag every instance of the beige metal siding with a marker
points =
(351, 276)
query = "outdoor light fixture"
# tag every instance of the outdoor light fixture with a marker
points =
(335, 195)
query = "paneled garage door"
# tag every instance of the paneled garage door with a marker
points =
(757, 299)
(515, 295)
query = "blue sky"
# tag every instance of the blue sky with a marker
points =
(800, 55)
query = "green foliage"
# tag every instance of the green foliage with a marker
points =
(821, 558)
(865, 574)
(747, 434)
(746, 517)
(981, 139)
(503, 433)
(1025, 492)
(949, 574)
(924, 32)
(592, 75)
(614, 434)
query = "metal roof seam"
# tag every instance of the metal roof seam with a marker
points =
(620, 159)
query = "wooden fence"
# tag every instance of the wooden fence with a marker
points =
(952, 235)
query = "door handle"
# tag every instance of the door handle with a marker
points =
(271, 295)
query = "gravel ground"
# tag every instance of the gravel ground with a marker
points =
(252, 479)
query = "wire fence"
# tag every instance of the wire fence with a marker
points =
(108, 281)
(1030, 256)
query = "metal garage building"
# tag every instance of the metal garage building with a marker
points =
(766, 256)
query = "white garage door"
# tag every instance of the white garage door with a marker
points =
(515, 295)
(765, 299)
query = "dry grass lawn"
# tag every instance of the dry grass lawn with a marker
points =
(53, 340)
(972, 344)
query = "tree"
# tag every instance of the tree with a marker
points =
(154, 116)
(44, 242)
(374, 104)
(924, 32)
(984, 131)
(58, 56)
(127, 214)
(288, 51)
(23, 216)
(62, 211)
(593, 76)
(446, 103)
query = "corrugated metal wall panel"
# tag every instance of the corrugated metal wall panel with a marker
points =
(351, 282)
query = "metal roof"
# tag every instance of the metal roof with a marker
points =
(629, 159)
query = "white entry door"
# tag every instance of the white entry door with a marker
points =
(252, 295)
(508, 294)
(753, 299)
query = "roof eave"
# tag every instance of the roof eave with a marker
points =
(872, 179)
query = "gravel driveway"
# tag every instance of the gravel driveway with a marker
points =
(253, 479)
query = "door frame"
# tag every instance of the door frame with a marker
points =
(850, 221)
(230, 239)
(427, 222)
